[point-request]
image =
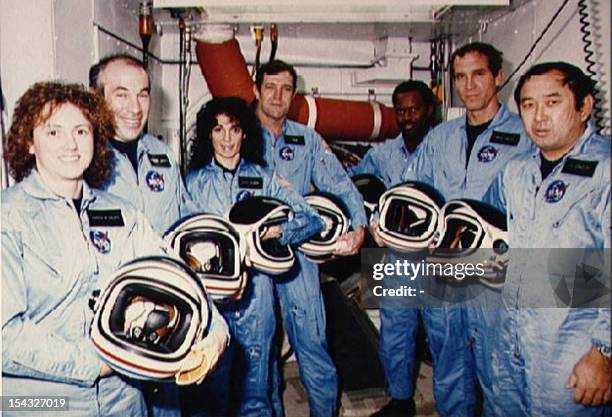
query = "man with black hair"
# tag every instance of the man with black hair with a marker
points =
(414, 105)
(299, 155)
(555, 361)
(460, 158)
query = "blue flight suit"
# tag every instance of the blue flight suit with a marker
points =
(442, 162)
(157, 189)
(251, 319)
(387, 161)
(52, 261)
(301, 157)
(538, 346)
(399, 322)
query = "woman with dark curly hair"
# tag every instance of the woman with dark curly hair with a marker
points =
(251, 150)
(226, 167)
(60, 238)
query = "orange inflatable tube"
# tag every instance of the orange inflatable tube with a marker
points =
(226, 74)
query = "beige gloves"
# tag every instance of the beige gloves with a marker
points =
(202, 358)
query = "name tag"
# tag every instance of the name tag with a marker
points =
(250, 182)
(578, 167)
(294, 140)
(503, 138)
(159, 160)
(105, 218)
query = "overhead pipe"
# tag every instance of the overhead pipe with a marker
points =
(226, 74)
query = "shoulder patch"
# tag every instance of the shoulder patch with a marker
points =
(487, 153)
(160, 160)
(578, 167)
(295, 140)
(250, 182)
(99, 218)
(505, 138)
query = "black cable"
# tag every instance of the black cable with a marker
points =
(137, 47)
(273, 49)
(537, 41)
(181, 69)
(257, 58)
(590, 61)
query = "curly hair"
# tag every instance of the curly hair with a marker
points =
(37, 105)
(237, 110)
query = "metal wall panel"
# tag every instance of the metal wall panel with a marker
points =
(73, 39)
(515, 33)
(27, 54)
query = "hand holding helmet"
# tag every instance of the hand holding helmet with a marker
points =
(258, 221)
(202, 359)
(409, 216)
(350, 242)
(272, 232)
(373, 228)
(148, 317)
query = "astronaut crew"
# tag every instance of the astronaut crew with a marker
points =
(554, 361)
(522, 370)
(228, 167)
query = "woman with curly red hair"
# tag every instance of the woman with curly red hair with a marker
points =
(60, 238)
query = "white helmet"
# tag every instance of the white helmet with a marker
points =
(409, 216)
(472, 232)
(251, 217)
(332, 210)
(215, 251)
(148, 316)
